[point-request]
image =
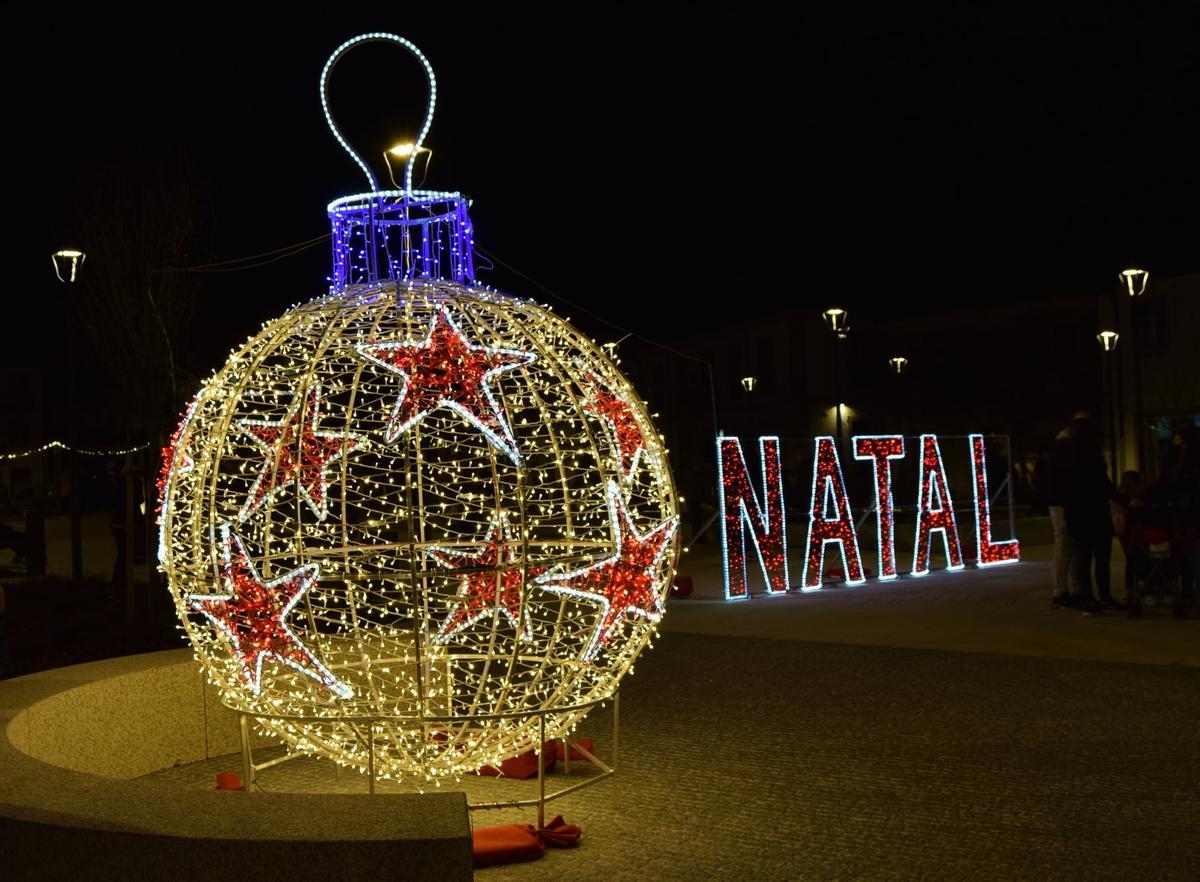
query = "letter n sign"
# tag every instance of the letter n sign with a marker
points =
(740, 509)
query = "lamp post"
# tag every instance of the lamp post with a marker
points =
(68, 262)
(1108, 345)
(838, 321)
(1135, 282)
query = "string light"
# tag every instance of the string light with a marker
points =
(252, 615)
(625, 584)
(990, 553)
(739, 508)
(829, 518)
(935, 510)
(881, 450)
(295, 453)
(60, 445)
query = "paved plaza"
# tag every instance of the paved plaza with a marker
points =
(950, 727)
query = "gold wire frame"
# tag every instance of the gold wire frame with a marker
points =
(441, 705)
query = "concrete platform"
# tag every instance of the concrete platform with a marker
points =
(75, 737)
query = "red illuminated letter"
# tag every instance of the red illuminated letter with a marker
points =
(935, 510)
(829, 518)
(990, 553)
(882, 449)
(739, 507)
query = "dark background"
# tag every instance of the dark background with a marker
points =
(632, 162)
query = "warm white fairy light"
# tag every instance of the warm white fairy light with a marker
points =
(395, 520)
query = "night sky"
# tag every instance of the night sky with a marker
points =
(642, 166)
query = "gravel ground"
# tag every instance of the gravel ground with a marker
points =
(767, 759)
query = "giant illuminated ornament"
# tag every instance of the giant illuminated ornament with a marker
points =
(407, 518)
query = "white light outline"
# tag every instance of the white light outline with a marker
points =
(506, 443)
(820, 442)
(307, 576)
(876, 473)
(430, 104)
(522, 624)
(983, 531)
(186, 464)
(746, 517)
(610, 426)
(617, 513)
(924, 508)
(271, 463)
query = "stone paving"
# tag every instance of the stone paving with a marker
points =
(1065, 748)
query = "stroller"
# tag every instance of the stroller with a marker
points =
(1152, 550)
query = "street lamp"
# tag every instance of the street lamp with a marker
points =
(898, 364)
(838, 321)
(748, 383)
(405, 151)
(1108, 344)
(66, 258)
(1135, 281)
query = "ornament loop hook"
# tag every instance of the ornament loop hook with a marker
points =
(376, 37)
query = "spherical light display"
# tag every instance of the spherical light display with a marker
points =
(413, 524)
(417, 512)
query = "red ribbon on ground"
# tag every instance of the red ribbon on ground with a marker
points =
(515, 843)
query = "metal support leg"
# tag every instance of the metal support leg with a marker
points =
(616, 726)
(247, 759)
(541, 761)
(566, 748)
(371, 759)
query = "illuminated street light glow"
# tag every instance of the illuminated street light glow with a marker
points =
(76, 259)
(898, 363)
(838, 320)
(1135, 281)
(748, 383)
(1108, 339)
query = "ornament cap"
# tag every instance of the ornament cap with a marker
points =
(399, 236)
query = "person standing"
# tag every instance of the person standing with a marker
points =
(1086, 495)
(1065, 587)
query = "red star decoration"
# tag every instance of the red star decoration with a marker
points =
(622, 425)
(498, 586)
(625, 584)
(186, 463)
(253, 617)
(445, 370)
(296, 453)
(169, 454)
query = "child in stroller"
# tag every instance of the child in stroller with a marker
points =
(1152, 555)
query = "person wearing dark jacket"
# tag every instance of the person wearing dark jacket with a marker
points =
(1086, 493)
(1066, 587)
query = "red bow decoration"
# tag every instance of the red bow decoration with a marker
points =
(515, 843)
(557, 833)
